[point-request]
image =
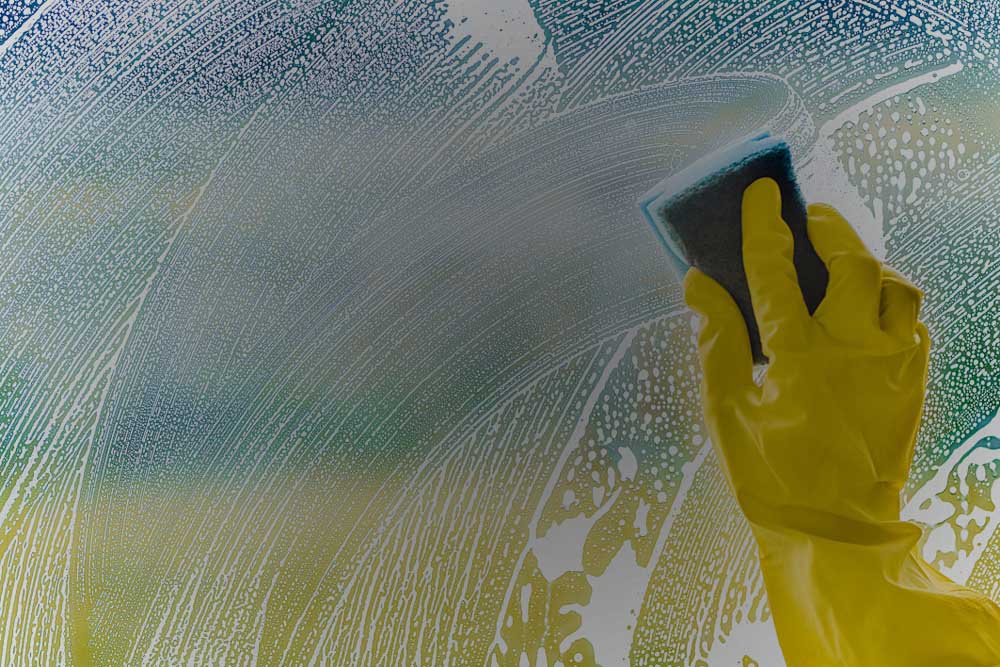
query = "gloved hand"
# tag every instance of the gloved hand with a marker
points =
(817, 455)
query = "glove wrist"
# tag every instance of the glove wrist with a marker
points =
(868, 598)
(863, 523)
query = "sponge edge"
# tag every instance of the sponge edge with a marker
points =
(695, 213)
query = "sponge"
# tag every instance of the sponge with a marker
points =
(696, 214)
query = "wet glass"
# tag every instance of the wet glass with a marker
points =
(330, 333)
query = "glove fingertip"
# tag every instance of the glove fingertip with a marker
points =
(763, 195)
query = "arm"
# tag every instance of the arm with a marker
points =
(817, 455)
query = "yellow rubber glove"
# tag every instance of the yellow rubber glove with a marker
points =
(816, 456)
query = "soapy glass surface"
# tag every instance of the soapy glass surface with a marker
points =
(331, 333)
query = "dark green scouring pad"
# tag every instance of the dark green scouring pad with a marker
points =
(696, 213)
